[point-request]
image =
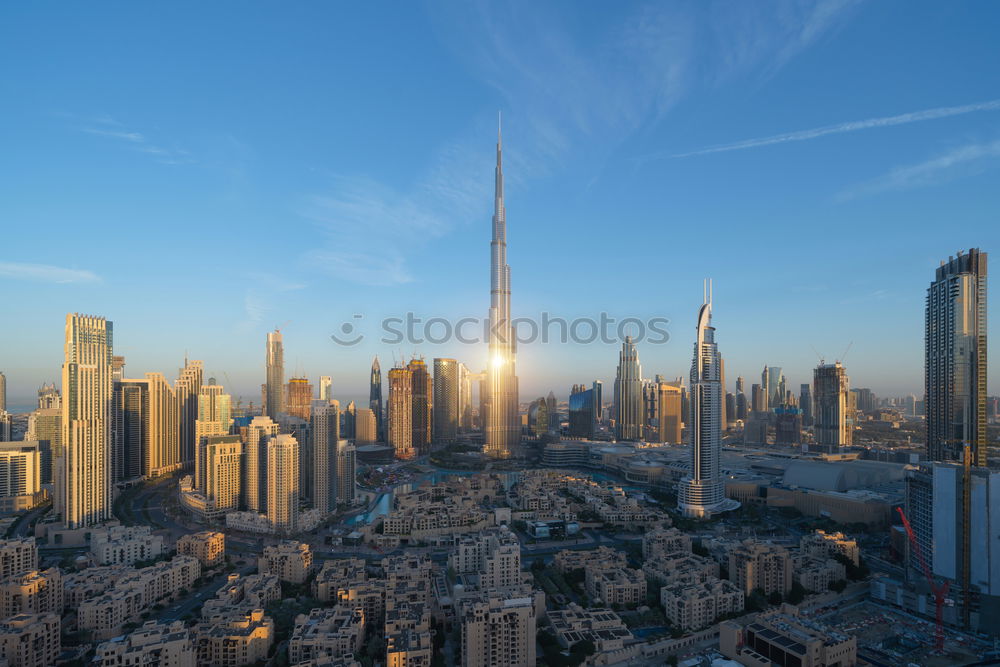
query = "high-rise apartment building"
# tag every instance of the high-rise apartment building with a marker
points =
(130, 428)
(446, 401)
(223, 477)
(3, 392)
(325, 388)
(325, 437)
(497, 629)
(400, 431)
(702, 493)
(163, 448)
(955, 359)
(214, 418)
(300, 396)
(20, 475)
(48, 397)
(423, 404)
(365, 427)
(629, 415)
(274, 392)
(833, 418)
(283, 483)
(806, 404)
(260, 431)
(186, 389)
(583, 411)
(346, 470)
(502, 423)
(83, 487)
(45, 427)
(375, 397)
(668, 412)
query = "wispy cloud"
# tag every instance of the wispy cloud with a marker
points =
(369, 228)
(575, 98)
(961, 160)
(841, 128)
(110, 128)
(46, 273)
(260, 296)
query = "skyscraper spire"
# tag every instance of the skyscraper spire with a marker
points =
(502, 422)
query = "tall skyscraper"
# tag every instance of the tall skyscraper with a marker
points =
(365, 428)
(465, 380)
(833, 421)
(83, 488)
(740, 385)
(325, 436)
(117, 368)
(423, 404)
(45, 427)
(283, 483)
(223, 476)
(502, 422)
(400, 430)
(48, 397)
(703, 492)
(955, 359)
(3, 392)
(274, 403)
(776, 387)
(186, 389)
(806, 404)
(300, 394)
(325, 388)
(582, 419)
(346, 465)
(130, 428)
(765, 389)
(375, 397)
(628, 393)
(163, 449)
(446, 401)
(668, 408)
(259, 432)
(214, 419)
(6, 426)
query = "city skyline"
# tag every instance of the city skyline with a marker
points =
(875, 185)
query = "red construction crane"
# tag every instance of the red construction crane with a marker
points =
(938, 590)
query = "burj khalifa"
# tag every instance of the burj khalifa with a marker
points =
(502, 422)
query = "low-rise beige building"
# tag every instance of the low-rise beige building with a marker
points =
(822, 545)
(692, 607)
(30, 640)
(680, 567)
(782, 637)
(761, 565)
(32, 592)
(601, 626)
(106, 614)
(17, 555)
(337, 632)
(166, 644)
(665, 541)
(91, 582)
(241, 595)
(408, 635)
(816, 574)
(616, 587)
(291, 561)
(124, 545)
(568, 560)
(234, 641)
(208, 546)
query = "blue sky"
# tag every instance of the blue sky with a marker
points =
(202, 172)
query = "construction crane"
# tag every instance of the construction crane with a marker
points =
(938, 591)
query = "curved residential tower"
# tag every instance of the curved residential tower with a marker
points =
(502, 422)
(703, 492)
